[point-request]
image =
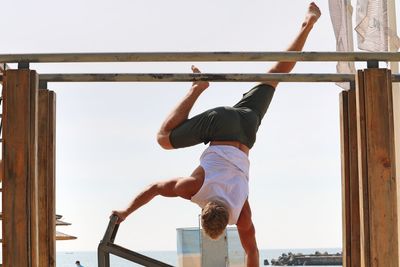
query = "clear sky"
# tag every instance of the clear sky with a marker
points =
(106, 147)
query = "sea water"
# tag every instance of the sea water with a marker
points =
(89, 258)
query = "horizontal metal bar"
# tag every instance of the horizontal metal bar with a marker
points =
(131, 255)
(214, 77)
(200, 56)
(181, 77)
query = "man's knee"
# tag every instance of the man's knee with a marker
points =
(163, 140)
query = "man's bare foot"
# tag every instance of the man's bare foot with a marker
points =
(313, 14)
(199, 85)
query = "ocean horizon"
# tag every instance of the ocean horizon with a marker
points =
(89, 258)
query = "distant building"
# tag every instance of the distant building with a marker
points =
(195, 249)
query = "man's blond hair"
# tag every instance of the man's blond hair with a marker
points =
(214, 218)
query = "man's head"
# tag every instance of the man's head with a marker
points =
(214, 218)
(78, 263)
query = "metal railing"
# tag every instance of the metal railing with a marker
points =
(212, 77)
(107, 247)
(199, 56)
(372, 59)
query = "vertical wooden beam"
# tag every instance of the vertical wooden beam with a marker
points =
(362, 171)
(354, 182)
(377, 172)
(350, 185)
(396, 117)
(46, 178)
(52, 177)
(20, 222)
(345, 156)
(394, 66)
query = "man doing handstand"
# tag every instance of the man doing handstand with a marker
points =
(220, 184)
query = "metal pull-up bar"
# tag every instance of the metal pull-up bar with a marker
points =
(199, 56)
(372, 59)
(214, 77)
(107, 247)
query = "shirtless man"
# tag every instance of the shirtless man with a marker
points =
(220, 184)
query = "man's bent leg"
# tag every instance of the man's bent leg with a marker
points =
(180, 113)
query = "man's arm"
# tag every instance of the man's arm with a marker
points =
(178, 187)
(311, 18)
(247, 234)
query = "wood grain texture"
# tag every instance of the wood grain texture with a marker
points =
(354, 182)
(378, 188)
(20, 223)
(46, 178)
(350, 185)
(345, 156)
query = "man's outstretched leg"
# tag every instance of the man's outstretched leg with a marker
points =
(180, 113)
(312, 16)
(259, 98)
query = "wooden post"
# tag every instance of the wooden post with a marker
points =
(394, 66)
(345, 154)
(377, 172)
(20, 222)
(46, 178)
(350, 185)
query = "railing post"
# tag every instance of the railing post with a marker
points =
(103, 257)
(107, 247)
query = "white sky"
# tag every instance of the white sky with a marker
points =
(106, 148)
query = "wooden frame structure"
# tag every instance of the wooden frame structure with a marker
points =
(369, 182)
(369, 186)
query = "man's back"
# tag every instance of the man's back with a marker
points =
(226, 179)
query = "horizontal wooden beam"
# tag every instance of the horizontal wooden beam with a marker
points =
(200, 56)
(214, 77)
